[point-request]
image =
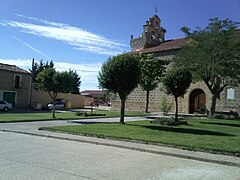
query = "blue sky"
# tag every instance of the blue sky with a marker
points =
(82, 34)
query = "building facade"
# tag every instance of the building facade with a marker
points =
(15, 85)
(152, 40)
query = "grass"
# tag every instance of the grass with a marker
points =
(41, 116)
(215, 135)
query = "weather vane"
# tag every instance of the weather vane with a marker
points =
(156, 10)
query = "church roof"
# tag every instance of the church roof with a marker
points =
(166, 46)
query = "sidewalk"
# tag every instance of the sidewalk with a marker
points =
(32, 129)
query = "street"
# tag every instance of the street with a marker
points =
(32, 157)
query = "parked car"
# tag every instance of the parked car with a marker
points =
(59, 104)
(5, 106)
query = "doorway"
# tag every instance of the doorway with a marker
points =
(9, 97)
(197, 101)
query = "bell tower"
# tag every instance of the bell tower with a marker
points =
(153, 35)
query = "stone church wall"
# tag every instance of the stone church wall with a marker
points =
(137, 100)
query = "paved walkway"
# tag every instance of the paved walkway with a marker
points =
(31, 128)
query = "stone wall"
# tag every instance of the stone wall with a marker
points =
(225, 104)
(137, 100)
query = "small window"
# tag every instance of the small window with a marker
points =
(230, 93)
(17, 81)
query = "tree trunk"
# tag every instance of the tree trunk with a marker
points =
(176, 111)
(53, 115)
(53, 97)
(213, 105)
(122, 110)
(147, 102)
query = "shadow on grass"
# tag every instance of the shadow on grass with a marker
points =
(183, 130)
(222, 124)
(24, 111)
(92, 122)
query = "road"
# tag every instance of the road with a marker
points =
(33, 157)
(32, 127)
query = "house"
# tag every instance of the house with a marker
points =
(100, 96)
(15, 85)
(152, 40)
(15, 88)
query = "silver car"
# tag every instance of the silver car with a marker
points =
(59, 104)
(5, 106)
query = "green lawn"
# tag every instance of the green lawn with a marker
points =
(208, 134)
(40, 116)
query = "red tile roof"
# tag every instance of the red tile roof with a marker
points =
(12, 68)
(165, 46)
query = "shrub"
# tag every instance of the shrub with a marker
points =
(79, 113)
(165, 107)
(93, 114)
(168, 121)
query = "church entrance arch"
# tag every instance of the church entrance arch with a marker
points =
(197, 101)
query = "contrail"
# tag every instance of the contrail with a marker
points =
(34, 49)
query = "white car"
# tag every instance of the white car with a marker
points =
(5, 106)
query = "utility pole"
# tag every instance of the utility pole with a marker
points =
(31, 83)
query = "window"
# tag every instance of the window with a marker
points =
(1, 102)
(230, 93)
(17, 81)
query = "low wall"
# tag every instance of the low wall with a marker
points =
(88, 101)
(43, 98)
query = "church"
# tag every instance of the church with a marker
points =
(152, 41)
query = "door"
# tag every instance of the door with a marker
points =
(9, 97)
(197, 101)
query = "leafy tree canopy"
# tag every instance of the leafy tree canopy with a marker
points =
(176, 82)
(76, 83)
(152, 70)
(213, 55)
(41, 66)
(54, 82)
(120, 74)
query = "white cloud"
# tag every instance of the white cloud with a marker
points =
(88, 72)
(79, 38)
(22, 63)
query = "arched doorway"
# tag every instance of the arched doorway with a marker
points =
(197, 100)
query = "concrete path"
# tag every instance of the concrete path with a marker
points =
(31, 128)
(26, 157)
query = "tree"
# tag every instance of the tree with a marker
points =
(213, 56)
(176, 82)
(54, 82)
(120, 74)
(76, 83)
(152, 70)
(41, 66)
(104, 97)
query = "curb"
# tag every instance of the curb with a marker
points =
(216, 161)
